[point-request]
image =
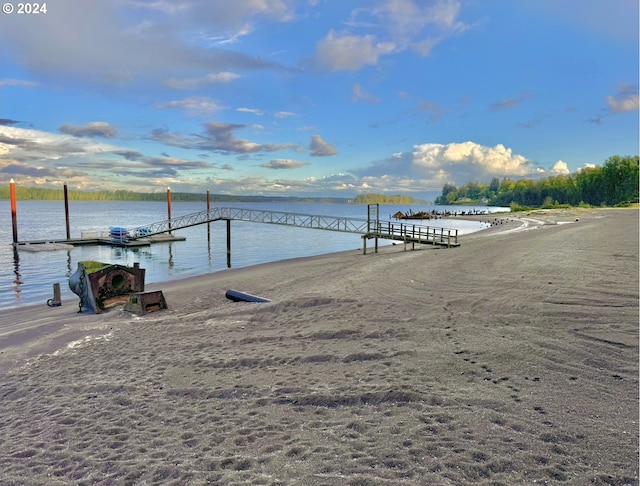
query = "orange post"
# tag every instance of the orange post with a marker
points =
(14, 212)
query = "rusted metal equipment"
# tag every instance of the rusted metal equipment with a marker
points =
(141, 303)
(101, 285)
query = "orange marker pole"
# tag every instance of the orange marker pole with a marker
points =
(14, 212)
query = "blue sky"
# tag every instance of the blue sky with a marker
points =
(314, 97)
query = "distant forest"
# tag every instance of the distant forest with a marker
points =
(613, 184)
(382, 199)
(43, 194)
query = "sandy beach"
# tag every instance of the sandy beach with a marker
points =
(512, 359)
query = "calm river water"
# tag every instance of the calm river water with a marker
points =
(28, 277)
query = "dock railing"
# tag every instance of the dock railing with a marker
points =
(368, 228)
(414, 233)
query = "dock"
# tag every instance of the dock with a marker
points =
(63, 243)
(159, 232)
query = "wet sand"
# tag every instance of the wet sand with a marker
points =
(512, 359)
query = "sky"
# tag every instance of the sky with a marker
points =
(313, 97)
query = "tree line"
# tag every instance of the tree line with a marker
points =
(45, 194)
(382, 199)
(615, 183)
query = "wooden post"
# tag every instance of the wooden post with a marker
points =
(378, 231)
(66, 211)
(208, 216)
(228, 243)
(14, 211)
(169, 207)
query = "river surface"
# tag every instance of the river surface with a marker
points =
(28, 277)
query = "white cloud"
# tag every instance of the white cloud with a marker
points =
(626, 99)
(560, 168)
(350, 52)
(397, 25)
(254, 111)
(430, 165)
(472, 158)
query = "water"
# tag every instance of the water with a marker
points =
(28, 277)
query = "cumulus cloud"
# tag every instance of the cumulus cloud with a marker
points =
(560, 168)
(430, 165)
(283, 164)
(474, 160)
(91, 129)
(320, 148)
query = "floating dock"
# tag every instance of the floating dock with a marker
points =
(67, 244)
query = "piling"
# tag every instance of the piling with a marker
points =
(56, 301)
(66, 211)
(228, 243)
(169, 207)
(208, 211)
(14, 212)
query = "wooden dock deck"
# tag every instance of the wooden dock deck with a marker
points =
(411, 233)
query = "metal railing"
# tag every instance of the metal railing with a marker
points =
(368, 228)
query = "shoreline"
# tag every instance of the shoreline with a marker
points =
(511, 359)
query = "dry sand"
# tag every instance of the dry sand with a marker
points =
(512, 359)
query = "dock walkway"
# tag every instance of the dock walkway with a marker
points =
(371, 228)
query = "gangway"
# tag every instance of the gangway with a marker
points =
(371, 228)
